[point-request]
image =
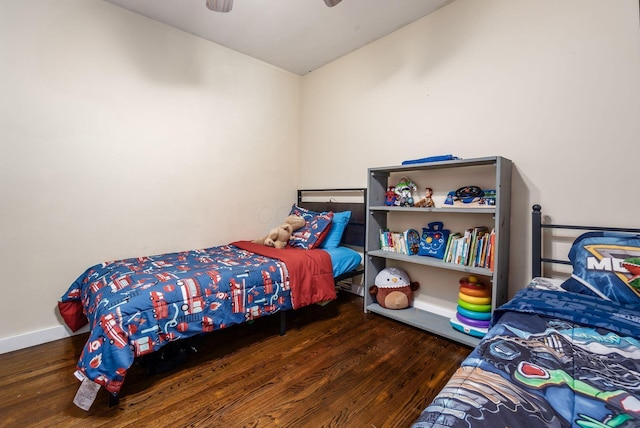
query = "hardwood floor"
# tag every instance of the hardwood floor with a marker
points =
(335, 367)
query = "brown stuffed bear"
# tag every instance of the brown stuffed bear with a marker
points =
(279, 236)
(393, 289)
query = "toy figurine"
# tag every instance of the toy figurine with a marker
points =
(488, 198)
(469, 197)
(427, 201)
(390, 196)
(403, 191)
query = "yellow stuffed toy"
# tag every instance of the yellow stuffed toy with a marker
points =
(279, 236)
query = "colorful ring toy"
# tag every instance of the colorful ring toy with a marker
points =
(474, 315)
(475, 300)
(472, 290)
(473, 323)
(474, 308)
(473, 331)
(472, 281)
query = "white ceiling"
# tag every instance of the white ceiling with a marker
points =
(296, 35)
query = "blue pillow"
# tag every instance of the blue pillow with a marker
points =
(338, 225)
(343, 259)
(606, 264)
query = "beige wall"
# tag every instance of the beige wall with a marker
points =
(120, 137)
(552, 85)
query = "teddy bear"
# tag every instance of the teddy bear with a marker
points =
(279, 236)
(393, 289)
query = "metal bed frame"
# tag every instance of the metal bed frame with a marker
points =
(354, 235)
(537, 226)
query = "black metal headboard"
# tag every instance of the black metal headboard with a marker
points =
(536, 239)
(353, 199)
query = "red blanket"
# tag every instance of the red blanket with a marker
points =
(310, 272)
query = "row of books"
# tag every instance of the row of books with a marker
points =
(397, 242)
(474, 247)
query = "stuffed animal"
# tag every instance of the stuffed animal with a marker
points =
(279, 236)
(393, 289)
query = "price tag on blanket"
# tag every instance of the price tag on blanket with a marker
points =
(433, 241)
(86, 394)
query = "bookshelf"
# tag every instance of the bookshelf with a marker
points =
(435, 301)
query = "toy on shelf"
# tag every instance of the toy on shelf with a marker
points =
(433, 241)
(427, 201)
(471, 197)
(390, 196)
(489, 197)
(473, 314)
(437, 158)
(393, 289)
(403, 191)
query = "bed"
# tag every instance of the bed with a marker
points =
(562, 352)
(137, 306)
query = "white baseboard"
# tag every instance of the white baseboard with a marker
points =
(26, 340)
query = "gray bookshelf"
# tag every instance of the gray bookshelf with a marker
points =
(496, 171)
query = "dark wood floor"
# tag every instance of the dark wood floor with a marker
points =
(335, 367)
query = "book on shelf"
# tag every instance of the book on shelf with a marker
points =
(482, 250)
(473, 247)
(476, 247)
(447, 250)
(383, 239)
(492, 245)
(459, 246)
(393, 241)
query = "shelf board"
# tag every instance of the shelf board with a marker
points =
(457, 163)
(427, 321)
(487, 210)
(429, 261)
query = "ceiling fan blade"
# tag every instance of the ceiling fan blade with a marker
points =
(220, 5)
(332, 3)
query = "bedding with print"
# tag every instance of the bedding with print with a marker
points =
(136, 306)
(560, 353)
(554, 359)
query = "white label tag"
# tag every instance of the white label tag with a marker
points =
(86, 394)
(79, 375)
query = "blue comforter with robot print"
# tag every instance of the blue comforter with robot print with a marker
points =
(552, 359)
(559, 354)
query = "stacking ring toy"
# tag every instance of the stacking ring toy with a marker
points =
(472, 290)
(474, 315)
(475, 300)
(474, 308)
(472, 280)
(473, 323)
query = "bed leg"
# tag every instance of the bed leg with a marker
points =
(114, 399)
(536, 241)
(283, 322)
